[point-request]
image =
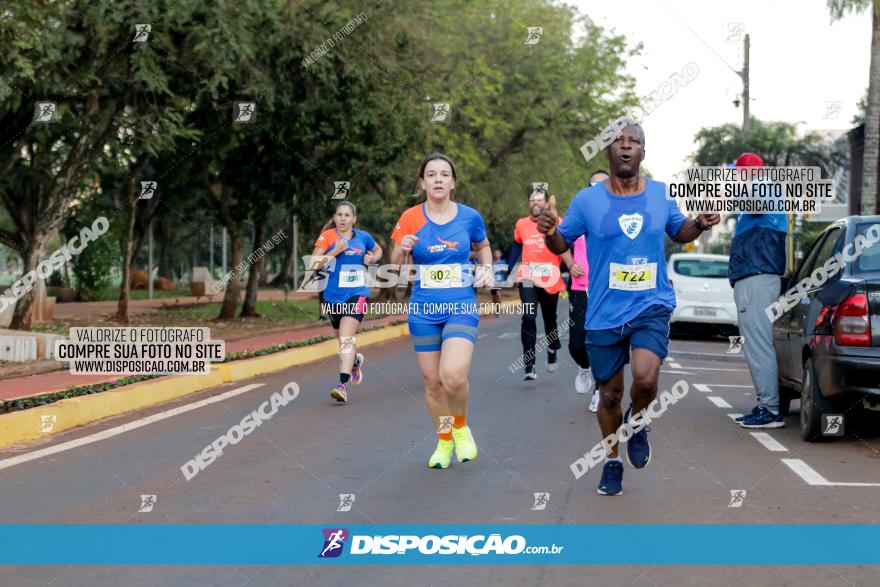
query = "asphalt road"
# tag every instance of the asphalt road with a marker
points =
(293, 468)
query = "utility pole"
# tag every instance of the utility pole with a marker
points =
(744, 74)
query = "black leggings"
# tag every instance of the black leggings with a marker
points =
(577, 334)
(532, 297)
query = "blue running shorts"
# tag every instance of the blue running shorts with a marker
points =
(428, 337)
(609, 349)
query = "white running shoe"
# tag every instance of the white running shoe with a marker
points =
(594, 403)
(584, 381)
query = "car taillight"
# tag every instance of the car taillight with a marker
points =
(851, 325)
(823, 314)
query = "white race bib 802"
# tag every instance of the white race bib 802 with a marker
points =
(632, 277)
(540, 270)
(440, 276)
(352, 278)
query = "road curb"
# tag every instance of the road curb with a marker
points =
(76, 411)
(70, 413)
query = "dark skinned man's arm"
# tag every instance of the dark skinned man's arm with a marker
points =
(692, 229)
(555, 243)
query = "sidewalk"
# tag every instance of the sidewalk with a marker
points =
(85, 309)
(55, 381)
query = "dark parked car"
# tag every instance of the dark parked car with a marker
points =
(828, 343)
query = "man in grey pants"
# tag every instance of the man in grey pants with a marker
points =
(757, 259)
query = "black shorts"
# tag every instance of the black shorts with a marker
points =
(354, 307)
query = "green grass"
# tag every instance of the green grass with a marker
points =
(291, 311)
(51, 327)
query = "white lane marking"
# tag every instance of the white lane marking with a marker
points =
(701, 387)
(734, 416)
(681, 372)
(805, 472)
(507, 335)
(719, 402)
(700, 354)
(730, 385)
(712, 369)
(812, 477)
(128, 426)
(675, 366)
(768, 441)
(484, 335)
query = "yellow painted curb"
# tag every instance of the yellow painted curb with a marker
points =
(248, 368)
(76, 411)
(69, 413)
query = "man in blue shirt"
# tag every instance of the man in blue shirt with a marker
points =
(757, 259)
(624, 219)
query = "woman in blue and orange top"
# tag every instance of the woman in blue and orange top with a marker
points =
(443, 318)
(347, 292)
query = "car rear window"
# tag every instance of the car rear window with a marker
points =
(869, 260)
(701, 268)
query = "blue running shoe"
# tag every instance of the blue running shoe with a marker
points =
(749, 415)
(638, 449)
(763, 418)
(612, 478)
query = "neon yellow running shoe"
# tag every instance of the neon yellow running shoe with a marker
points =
(465, 447)
(442, 455)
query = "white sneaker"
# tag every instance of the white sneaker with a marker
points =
(594, 403)
(583, 381)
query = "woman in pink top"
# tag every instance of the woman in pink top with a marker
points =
(577, 313)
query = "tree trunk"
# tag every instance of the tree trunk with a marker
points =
(222, 198)
(163, 238)
(233, 290)
(125, 246)
(872, 122)
(286, 274)
(386, 294)
(125, 283)
(263, 280)
(32, 255)
(249, 308)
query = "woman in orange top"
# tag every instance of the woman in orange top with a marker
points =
(540, 282)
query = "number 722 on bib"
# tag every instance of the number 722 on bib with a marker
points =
(632, 277)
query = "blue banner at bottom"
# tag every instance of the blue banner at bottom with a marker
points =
(599, 544)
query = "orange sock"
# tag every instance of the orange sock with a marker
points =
(460, 420)
(445, 422)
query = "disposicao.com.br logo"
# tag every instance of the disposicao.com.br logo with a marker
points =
(494, 544)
